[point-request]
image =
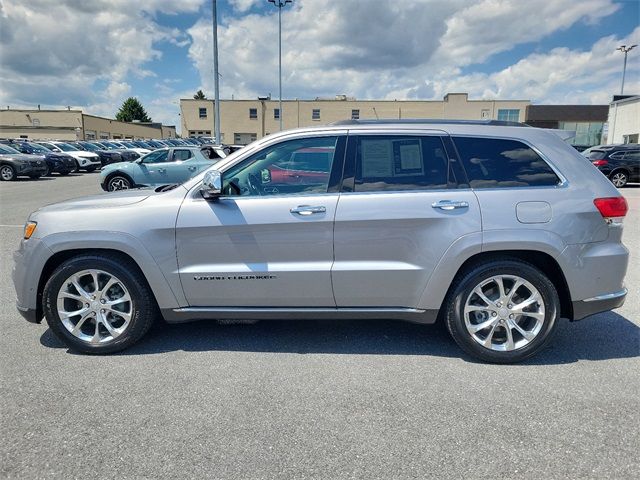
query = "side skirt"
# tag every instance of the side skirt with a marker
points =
(181, 315)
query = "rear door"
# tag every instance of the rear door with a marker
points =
(400, 209)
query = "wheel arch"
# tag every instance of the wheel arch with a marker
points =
(121, 174)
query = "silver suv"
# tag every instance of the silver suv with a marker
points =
(496, 230)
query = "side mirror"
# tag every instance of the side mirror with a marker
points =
(211, 185)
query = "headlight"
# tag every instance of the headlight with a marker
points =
(29, 228)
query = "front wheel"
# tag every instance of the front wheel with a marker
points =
(619, 178)
(98, 303)
(502, 311)
(91, 169)
(34, 177)
(118, 182)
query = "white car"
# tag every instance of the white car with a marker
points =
(132, 147)
(86, 160)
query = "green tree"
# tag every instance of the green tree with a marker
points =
(132, 110)
(200, 95)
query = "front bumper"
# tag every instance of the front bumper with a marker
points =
(601, 303)
(32, 169)
(29, 314)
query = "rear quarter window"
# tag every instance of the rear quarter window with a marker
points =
(502, 163)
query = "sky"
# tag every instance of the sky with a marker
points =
(93, 54)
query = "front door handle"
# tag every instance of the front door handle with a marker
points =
(306, 210)
(162, 170)
(192, 168)
(450, 204)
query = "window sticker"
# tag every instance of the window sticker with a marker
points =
(377, 156)
(408, 158)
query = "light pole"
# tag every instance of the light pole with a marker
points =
(624, 49)
(280, 4)
(216, 83)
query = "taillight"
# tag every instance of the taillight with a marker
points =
(599, 163)
(611, 207)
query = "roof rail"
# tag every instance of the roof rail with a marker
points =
(413, 121)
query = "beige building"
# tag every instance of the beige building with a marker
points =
(75, 125)
(624, 120)
(247, 120)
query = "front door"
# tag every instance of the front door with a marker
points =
(400, 210)
(267, 242)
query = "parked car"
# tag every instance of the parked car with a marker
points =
(125, 154)
(214, 151)
(56, 162)
(125, 145)
(156, 144)
(106, 156)
(87, 161)
(160, 167)
(620, 163)
(498, 231)
(14, 164)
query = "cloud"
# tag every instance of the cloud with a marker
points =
(244, 5)
(409, 49)
(54, 52)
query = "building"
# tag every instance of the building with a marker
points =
(624, 119)
(246, 120)
(74, 125)
(586, 120)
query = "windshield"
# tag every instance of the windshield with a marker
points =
(65, 147)
(90, 146)
(8, 150)
(35, 148)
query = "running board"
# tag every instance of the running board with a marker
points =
(188, 314)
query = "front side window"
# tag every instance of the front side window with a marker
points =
(181, 155)
(508, 115)
(501, 163)
(159, 156)
(388, 163)
(292, 167)
(253, 113)
(202, 112)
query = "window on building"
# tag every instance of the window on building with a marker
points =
(36, 122)
(253, 113)
(276, 114)
(587, 133)
(400, 163)
(485, 114)
(355, 114)
(244, 138)
(202, 112)
(509, 115)
(632, 138)
(315, 114)
(501, 163)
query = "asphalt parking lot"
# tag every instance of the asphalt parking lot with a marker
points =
(330, 400)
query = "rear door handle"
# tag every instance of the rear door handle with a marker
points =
(306, 210)
(450, 204)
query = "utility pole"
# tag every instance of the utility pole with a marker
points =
(216, 83)
(624, 49)
(280, 4)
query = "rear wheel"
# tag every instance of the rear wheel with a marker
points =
(91, 169)
(502, 311)
(98, 303)
(7, 173)
(66, 172)
(118, 182)
(34, 177)
(619, 178)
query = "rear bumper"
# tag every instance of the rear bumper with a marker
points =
(601, 303)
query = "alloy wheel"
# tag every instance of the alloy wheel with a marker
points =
(619, 179)
(6, 173)
(504, 313)
(94, 306)
(118, 183)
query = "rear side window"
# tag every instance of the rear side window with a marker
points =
(499, 163)
(596, 154)
(386, 163)
(181, 155)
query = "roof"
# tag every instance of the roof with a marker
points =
(430, 122)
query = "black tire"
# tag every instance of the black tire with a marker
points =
(64, 173)
(619, 178)
(144, 308)
(7, 173)
(118, 181)
(91, 169)
(34, 177)
(48, 172)
(77, 169)
(463, 287)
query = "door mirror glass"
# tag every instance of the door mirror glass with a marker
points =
(211, 185)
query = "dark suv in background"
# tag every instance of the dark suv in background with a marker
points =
(56, 162)
(621, 163)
